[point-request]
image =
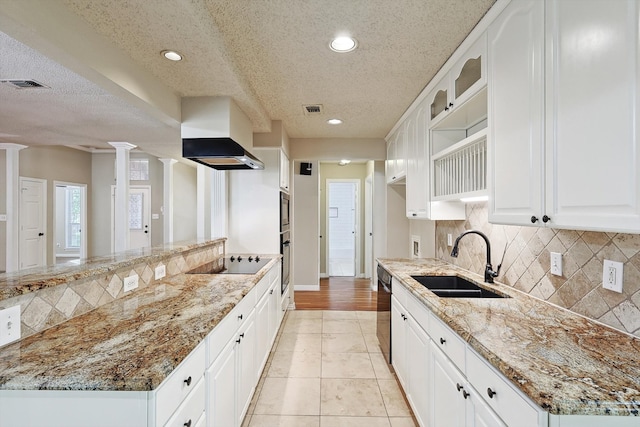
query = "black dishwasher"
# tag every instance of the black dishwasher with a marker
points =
(383, 327)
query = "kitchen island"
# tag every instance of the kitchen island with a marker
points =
(564, 363)
(127, 348)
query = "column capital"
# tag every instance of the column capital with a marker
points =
(124, 145)
(168, 161)
(10, 146)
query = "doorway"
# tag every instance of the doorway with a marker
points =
(343, 227)
(139, 216)
(69, 221)
(32, 223)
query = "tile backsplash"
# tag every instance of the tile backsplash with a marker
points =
(527, 264)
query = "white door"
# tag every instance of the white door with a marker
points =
(342, 227)
(139, 216)
(32, 242)
(69, 219)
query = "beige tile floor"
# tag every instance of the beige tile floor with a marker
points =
(326, 370)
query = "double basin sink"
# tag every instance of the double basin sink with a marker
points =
(455, 287)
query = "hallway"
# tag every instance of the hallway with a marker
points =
(326, 370)
(338, 293)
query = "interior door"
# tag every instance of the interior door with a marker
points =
(368, 227)
(342, 228)
(139, 216)
(32, 223)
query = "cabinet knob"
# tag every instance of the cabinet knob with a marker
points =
(271, 293)
(187, 424)
(242, 335)
(40, 234)
(545, 219)
(446, 108)
(465, 394)
(188, 381)
(240, 317)
(491, 393)
(442, 341)
(459, 387)
(534, 219)
(451, 104)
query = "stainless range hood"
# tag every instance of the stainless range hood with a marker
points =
(219, 153)
(217, 134)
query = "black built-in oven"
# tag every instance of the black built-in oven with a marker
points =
(383, 328)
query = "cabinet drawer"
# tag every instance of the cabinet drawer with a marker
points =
(263, 285)
(191, 410)
(399, 291)
(179, 384)
(447, 341)
(227, 328)
(509, 404)
(418, 311)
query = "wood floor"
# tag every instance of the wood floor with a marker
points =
(338, 293)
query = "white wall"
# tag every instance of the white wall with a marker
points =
(254, 207)
(184, 202)
(338, 148)
(426, 231)
(306, 229)
(398, 233)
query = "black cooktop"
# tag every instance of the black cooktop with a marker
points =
(240, 264)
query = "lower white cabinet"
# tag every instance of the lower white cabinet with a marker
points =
(447, 388)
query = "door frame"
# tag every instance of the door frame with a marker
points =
(83, 216)
(357, 225)
(43, 183)
(131, 187)
(368, 226)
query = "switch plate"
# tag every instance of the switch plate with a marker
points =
(556, 263)
(161, 271)
(612, 275)
(449, 239)
(130, 283)
(9, 325)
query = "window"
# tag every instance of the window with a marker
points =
(139, 170)
(72, 217)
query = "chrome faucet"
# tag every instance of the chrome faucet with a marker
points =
(489, 274)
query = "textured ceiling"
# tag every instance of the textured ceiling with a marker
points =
(271, 56)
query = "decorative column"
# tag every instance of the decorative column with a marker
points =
(200, 201)
(219, 204)
(121, 216)
(167, 200)
(12, 204)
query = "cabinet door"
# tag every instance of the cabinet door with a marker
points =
(263, 334)
(447, 385)
(398, 351)
(439, 100)
(418, 167)
(516, 108)
(284, 171)
(221, 386)
(469, 74)
(246, 374)
(592, 115)
(417, 358)
(390, 163)
(479, 413)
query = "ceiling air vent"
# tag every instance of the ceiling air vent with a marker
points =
(24, 84)
(312, 110)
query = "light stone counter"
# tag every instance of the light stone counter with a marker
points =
(566, 363)
(131, 343)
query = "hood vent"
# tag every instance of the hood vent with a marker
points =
(219, 153)
(24, 84)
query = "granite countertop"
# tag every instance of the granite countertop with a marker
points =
(132, 343)
(25, 281)
(564, 362)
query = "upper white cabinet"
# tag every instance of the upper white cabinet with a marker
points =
(284, 172)
(396, 155)
(564, 141)
(465, 79)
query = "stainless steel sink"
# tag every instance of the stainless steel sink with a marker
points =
(455, 287)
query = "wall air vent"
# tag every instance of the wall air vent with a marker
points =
(312, 109)
(24, 84)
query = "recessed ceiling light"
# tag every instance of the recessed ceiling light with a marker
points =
(171, 55)
(343, 44)
(344, 162)
(334, 121)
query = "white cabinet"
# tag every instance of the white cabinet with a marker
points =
(465, 79)
(284, 172)
(564, 144)
(395, 165)
(447, 388)
(267, 322)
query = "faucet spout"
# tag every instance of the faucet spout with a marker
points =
(489, 274)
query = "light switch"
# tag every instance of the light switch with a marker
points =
(9, 325)
(556, 263)
(130, 283)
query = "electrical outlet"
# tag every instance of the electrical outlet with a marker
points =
(556, 264)
(130, 283)
(449, 239)
(9, 325)
(161, 271)
(612, 275)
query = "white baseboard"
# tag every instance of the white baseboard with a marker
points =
(306, 288)
(324, 276)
